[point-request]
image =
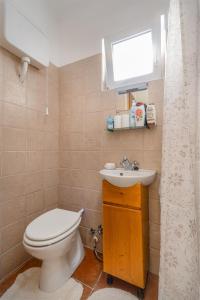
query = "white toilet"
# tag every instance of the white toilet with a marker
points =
(54, 238)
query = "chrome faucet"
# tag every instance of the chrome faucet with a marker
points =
(128, 165)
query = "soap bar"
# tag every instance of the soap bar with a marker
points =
(109, 166)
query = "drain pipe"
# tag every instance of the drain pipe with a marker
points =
(97, 233)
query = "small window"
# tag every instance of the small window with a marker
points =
(133, 58)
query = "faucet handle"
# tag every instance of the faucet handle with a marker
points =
(135, 165)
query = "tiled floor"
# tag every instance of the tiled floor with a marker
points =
(90, 274)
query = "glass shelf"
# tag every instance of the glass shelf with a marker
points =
(125, 128)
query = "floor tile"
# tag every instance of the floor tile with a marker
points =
(89, 270)
(86, 292)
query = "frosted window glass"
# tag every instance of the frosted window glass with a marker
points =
(133, 57)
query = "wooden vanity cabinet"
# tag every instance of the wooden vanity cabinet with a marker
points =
(126, 233)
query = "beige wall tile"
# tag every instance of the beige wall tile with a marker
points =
(93, 102)
(14, 139)
(14, 115)
(35, 119)
(12, 186)
(13, 89)
(51, 123)
(35, 161)
(92, 160)
(94, 122)
(71, 105)
(72, 196)
(51, 160)
(72, 141)
(73, 123)
(51, 141)
(35, 140)
(92, 199)
(36, 89)
(154, 236)
(152, 160)
(34, 182)
(1, 110)
(12, 211)
(93, 140)
(13, 163)
(13, 234)
(51, 178)
(91, 218)
(53, 100)
(35, 202)
(29, 142)
(86, 237)
(153, 139)
(51, 197)
(1, 244)
(154, 210)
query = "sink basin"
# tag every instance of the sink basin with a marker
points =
(126, 178)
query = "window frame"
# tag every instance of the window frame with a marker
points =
(155, 29)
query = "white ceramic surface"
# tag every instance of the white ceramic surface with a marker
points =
(125, 178)
(59, 259)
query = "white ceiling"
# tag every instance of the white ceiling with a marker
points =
(75, 27)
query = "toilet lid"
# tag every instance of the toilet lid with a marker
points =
(51, 224)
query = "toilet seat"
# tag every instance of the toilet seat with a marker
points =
(51, 227)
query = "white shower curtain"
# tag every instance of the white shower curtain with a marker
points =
(179, 265)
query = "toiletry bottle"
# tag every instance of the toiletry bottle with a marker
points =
(140, 115)
(132, 115)
(125, 119)
(110, 123)
(117, 121)
(151, 115)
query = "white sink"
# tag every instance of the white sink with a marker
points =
(122, 178)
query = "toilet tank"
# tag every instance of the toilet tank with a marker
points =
(21, 37)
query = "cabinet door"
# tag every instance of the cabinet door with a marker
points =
(122, 244)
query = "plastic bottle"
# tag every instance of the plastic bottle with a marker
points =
(110, 123)
(132, 115)
(140, 115)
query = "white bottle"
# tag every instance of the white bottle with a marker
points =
(125, 120)
(140, 115)
(132, 115)
(117, 121)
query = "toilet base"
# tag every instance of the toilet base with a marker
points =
(55, 272)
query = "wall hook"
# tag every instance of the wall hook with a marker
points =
(25, 61)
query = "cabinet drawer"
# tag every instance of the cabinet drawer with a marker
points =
(129, 197)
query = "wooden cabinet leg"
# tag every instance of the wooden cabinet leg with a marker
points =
(109, 279)
(140, 293)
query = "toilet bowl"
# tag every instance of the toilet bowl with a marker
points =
(54, 238)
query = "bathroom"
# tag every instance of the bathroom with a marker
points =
(92, 207)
